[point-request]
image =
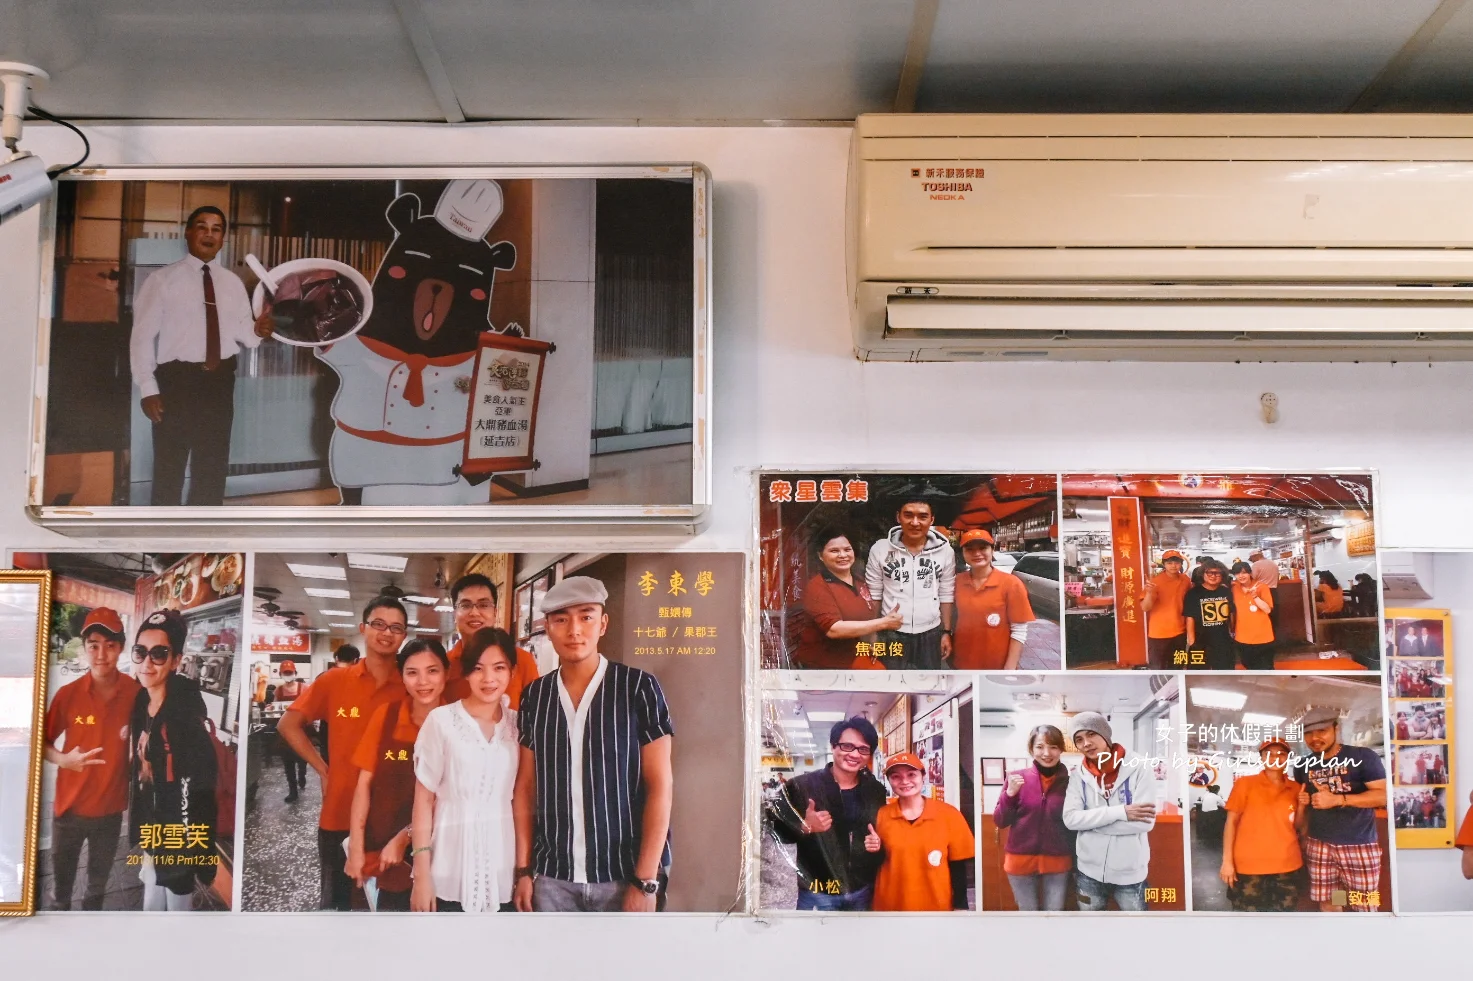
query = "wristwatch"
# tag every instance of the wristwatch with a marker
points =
(522, 871)
(647, 886)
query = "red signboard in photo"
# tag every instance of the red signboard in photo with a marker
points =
(1130, 580)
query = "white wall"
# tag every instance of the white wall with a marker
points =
(789, 393)
(1430, 879)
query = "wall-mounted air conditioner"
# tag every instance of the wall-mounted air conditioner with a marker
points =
(1406, 575)
(1251, 238)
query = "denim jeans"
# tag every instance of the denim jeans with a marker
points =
(1094, 894)
(551, 895)
(849, 902)
(1026, 888)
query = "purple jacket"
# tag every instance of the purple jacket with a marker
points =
(1036, 820)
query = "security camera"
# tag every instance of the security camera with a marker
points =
(24, 180)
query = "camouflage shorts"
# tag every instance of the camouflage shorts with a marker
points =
(1277, 893)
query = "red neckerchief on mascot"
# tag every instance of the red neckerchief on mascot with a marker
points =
(414, 388)
(1111, 770)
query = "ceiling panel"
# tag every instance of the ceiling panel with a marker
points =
(1148, 56)
(671, 59)
(204, 59)
(1438, 79)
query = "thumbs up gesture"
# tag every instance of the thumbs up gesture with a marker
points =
(815, 821)
(872, 840)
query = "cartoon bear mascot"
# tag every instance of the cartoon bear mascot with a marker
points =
(400, 410)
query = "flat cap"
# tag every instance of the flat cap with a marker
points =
(1318, 718)
(574, 591)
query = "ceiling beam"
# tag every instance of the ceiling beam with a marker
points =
(417, 26)
(1394, 69)
(917, 48)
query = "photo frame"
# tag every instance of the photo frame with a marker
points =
(25, 624)
(1421, 726)
(994, 773)
(612, 309)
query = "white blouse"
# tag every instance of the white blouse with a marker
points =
(472, 778)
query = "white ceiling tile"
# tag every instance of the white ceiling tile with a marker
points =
(204, 59)
(672, 59)
(1149, 56)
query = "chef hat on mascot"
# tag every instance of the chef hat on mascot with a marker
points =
(468, 208)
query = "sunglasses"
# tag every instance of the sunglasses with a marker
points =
(158, 655)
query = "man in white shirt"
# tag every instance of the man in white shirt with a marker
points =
(190, 319)
(913, 570)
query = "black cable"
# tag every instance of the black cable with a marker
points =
(56, 172)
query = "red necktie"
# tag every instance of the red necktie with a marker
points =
(212, 325)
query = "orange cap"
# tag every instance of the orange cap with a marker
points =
(1275, 742)
(976, 535)
(904, 759)
(106, 619)
(1173, 554)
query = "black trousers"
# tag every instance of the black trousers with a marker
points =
(1257, 657)
(296, 772)
(337, 888)
(1161, 651)
(919, 651)
(199, 408)
(68, 834)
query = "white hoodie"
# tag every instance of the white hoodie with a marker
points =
(916, 584)
(1108, 847)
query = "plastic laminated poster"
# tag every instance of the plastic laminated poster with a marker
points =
(983, 692)
(490, 732)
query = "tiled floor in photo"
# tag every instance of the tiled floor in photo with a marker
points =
(281, 868)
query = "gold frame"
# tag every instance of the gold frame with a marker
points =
(41, 578)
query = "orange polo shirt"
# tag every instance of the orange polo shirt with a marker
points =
(345, 699)
(523, 673)
(984, 615)
(365, 756)
(91, 722)
(917, 870)
(1266, 842)
(1254, 626)
(1164, 619)
(1465, 833)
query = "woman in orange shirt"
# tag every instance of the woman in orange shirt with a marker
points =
(1253, 627)
(928, 845)
(383, 800)
(992, 610)
(1260, 845)
(1329, 598)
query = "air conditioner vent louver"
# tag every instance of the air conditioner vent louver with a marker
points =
(1162, 238)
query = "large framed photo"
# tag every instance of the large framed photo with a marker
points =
(427, 346)
(25, 619)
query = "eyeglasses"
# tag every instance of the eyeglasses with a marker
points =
(158, 655)
(859, 748)
(385, 627)
(484, 606)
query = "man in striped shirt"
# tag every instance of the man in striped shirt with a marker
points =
(594, 785)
